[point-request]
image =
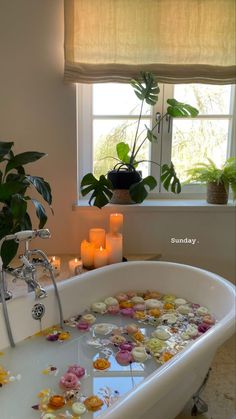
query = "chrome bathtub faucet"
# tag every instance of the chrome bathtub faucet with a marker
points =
(31, 260)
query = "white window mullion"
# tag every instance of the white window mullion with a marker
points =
(168, 92)
(156, 146)
(231, 149)
(84, 130)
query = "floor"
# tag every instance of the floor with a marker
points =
(220, 391)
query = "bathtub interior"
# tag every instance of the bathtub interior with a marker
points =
(78, 292)
(184, 281)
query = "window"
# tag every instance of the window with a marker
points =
(107, 114)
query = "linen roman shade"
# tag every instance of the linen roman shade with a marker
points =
(180, 41)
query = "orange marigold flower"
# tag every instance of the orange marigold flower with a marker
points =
(101, 364)
(126, 304)
(138, 336)
(64, 336)
(166, 356)
(4, 376)
(139, 315)
(152, 294)
(168, 306)
(93, 403)
(56, 402)
(155, 312)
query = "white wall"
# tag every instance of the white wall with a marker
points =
(37, 111)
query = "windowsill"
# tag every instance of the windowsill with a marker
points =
(151, 205)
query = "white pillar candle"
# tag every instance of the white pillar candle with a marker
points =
(114, 246)
(56, 264)
(87, 254)
(116, 222)
(100, 257)
(74, 264)
(97, 237)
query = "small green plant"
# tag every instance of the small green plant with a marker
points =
(209, 172)
(14, 196)
(127, 158)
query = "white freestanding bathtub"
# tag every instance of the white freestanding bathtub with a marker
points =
(163, 394)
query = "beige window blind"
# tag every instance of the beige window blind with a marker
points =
(180, 41)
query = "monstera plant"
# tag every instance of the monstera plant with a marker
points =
(125, 176)
(15, 186)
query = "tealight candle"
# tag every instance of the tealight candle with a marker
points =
(114, 246)
(87, 254)
(97, 237)
(56, 264)
(116, 222)
(100, 257)
(74, 265)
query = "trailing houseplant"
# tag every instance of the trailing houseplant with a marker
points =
(125, 175)
(15, 186)
(218, 180)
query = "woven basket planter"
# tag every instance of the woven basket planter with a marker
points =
(217, 193)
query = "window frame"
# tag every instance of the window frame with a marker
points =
(85, 117)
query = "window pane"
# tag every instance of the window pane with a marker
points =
(208, 99)
(108, 133)
(116, 99)
(195, 140)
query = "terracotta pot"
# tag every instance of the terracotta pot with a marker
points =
(121, 181)
(217, 193)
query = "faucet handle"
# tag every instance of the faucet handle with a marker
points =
(44, 233)
(26, 262)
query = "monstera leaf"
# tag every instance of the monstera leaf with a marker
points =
(100, 188)
(147, 88)
(170, 179)
(139, 192)
(122, 150)
(178, 109)
(150, 135)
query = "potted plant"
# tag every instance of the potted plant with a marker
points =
(124, 184)
(217, 180)
(14, 196)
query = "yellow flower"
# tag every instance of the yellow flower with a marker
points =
(44, 392)
(4, 376)
(138, 336)
(93, 403)
(155, 345)
(140, 315)
(168, 298)
(126, 304)
(152, 294)
(166, 356)
(101, 364)
(64, 336)
(154, 312)
(168, 306)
